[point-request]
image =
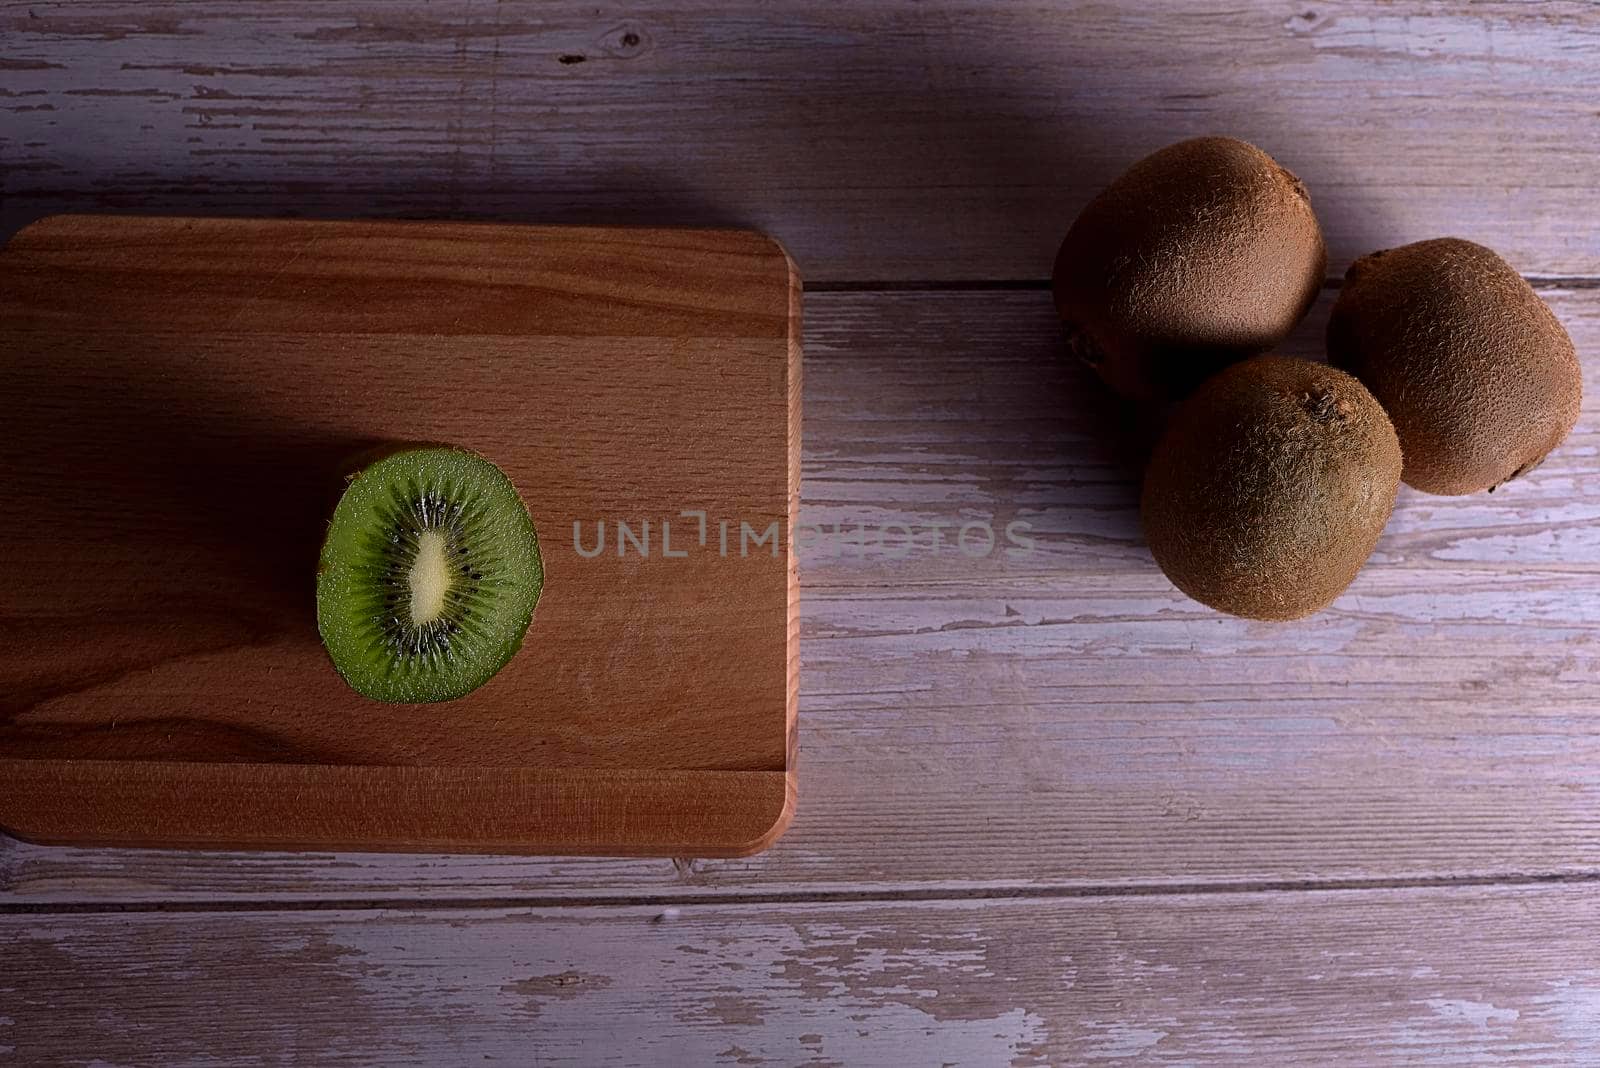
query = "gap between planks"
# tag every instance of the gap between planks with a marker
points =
(980, 285)
(886, 896)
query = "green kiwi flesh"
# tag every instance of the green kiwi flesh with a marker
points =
(1202, 254)
(429, 575)
(1269, 488)
(1476, 372)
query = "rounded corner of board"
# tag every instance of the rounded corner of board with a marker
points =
(37, 229)
(777, 822)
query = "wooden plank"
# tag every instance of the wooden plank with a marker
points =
(1501, 976)
(1065, 718)
(952, 139)
(183, 397)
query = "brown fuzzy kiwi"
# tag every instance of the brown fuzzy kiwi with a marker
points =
(1270, 487)
(1202, 254)
(1477, 374)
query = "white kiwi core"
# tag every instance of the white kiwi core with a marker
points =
(429, 578)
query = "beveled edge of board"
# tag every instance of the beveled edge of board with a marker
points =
(239, 273)
(796, 377)
(99, 803)
(394, 809)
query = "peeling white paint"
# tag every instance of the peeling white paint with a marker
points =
(1478, 1013)
(778, 991)
(1428, 36)
(1574, 1004)
(1121, 980)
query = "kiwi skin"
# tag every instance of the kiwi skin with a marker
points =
(1202, 254)
(1270, 487)
(1476, 372)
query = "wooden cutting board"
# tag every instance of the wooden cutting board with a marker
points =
(180, 397)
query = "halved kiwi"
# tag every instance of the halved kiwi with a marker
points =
(429, 575)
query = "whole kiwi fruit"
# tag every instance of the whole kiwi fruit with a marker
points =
(1477, 374)
(1270, 487)
(1200, 255)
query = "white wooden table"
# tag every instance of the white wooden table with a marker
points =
(1051, 811)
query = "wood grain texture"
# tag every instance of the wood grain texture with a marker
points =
(195, 804)
(952, 139)
(1064, 718)
(1502, 976)
(985, 739)
(182, 393)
